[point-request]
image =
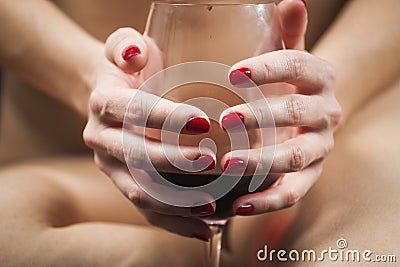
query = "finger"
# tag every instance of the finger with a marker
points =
(147, 110)
(309, 73)
(289, 191)
(127, 50)
(290, 156)
(293, 21)
(126, 183)
(189, 227)
(280, 111)
(139, 153)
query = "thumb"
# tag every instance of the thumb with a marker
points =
(127, 50)
(293, 21)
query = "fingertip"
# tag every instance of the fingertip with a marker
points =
(241, 77)
(198, 125)
(232, 121)
(131, 51)
(243, 206)
(127, 50)
(132, 58)
(244, 209)
(293, 19)
(201, 237)
(184, 118)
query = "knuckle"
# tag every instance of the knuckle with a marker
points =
(106, 108)
(138, 111)
(111, 146)
(295, 109)
(100, 103)
(265, 205)
(335, 113)
(268, 73)
(266, 162)
(332, 112)
(296, 66)
(260, 116)
(88, 137)
(263, 166)
(95, 100)
(297, 158)
(330, 72)
(292, 197)
(136, 197)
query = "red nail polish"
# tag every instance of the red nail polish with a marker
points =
(201, 237)
(197, 125)
(207, 209)
(202, 161)
(240, 76)
(232, 121)
(304, 2)
(235, 166)
(130, 52)
(245, 209)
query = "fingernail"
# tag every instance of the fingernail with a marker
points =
(232, 121)
(235, 166)
(202, 161)
(304, 2)
(207, 209)
(197, 125)
(244, 209)
(240, 76)
(130, 52)
(201, 237)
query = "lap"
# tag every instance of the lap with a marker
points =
(64, 212)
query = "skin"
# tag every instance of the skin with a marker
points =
(14, 174)
(311, 78)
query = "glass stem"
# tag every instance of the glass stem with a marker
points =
(213, 248)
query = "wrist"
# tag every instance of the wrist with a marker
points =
(87, 76)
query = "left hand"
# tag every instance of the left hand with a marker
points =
(312, 109)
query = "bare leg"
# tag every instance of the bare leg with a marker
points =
(66, 213)
(357, 197)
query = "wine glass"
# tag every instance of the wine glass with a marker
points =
(215, 35)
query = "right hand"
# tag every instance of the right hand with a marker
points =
(126, 54)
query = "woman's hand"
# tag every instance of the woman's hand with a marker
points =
(312, 109)
(127, 54)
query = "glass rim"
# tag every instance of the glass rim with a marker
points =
(206, 4)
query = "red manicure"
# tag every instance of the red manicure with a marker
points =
(197, 125)
(232, 121)
(245, 209)
(130, 52)
(207, 209)
(235, 166)
(304, 2)
(202, 161)
(240, 76)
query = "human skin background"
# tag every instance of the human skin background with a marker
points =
(369, 143)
